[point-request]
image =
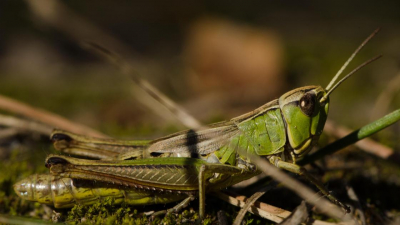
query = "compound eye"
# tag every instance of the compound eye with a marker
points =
(307, 104)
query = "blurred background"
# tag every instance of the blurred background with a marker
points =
(217, 59)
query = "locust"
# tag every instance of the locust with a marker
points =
(184, 165)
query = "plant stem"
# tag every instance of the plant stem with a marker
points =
(353, 137)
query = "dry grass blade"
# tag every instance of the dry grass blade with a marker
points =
(298, 216)
(249, 203)
(263, 210)
(323, 205)
(45, 117)
(320, 222)
(179, 113)
(353, 196)
(8, 132)
(23, 125)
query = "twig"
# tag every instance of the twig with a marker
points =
(45, 117)
(304, 192)
(248, 182)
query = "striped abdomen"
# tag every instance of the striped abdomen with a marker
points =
(66, 192)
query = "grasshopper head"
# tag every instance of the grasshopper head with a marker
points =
(305, 115)
(305, 109)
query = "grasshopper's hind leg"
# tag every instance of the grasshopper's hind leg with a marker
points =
(185, 202)
(303, 172)
(212, 169)
(205, 170)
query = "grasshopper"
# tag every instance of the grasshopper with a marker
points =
(183, 165)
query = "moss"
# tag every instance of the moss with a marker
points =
(14, 168)
(106, 212)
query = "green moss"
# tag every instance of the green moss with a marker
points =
(106, 212)
(14, 168)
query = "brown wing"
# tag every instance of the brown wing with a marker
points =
(195, 142)
(97, 148)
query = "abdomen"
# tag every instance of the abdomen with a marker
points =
(66, 192)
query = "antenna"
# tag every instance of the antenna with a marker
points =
(347, 76)
(351, 58)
